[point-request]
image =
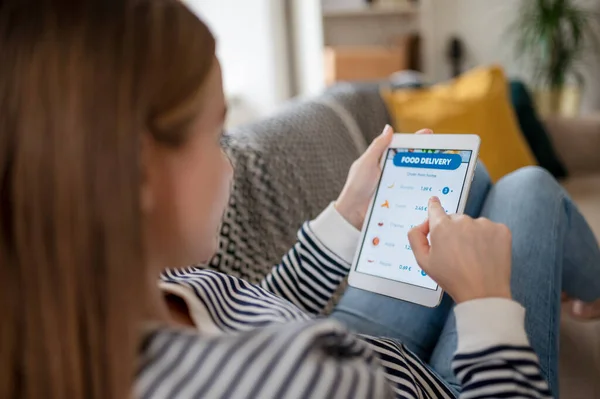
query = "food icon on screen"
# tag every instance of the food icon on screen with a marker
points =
(370, 261)
(380, 224)
(376, 241)
(386, 204)
(391, 185)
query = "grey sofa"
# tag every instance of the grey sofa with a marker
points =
(290, 166)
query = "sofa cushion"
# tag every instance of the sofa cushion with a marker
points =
(476, 102)
(576, 141)
(364, 102)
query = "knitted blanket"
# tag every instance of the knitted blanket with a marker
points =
(288, 168)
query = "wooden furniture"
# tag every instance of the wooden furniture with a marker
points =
(364, 63)
(329, 36)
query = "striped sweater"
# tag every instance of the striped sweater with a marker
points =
(269, 341)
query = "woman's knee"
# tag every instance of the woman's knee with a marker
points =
(532, 194)
(532, 179)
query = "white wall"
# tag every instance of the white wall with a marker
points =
(483, 25)
(306, 23)
(255, 53)
(253, 50)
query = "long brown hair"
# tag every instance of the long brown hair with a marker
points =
(80, 83)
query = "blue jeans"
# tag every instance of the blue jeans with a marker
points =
(553, 250)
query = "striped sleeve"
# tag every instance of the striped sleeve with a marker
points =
(494, 358)
(410, 377)
(312, 270)
(316, 359)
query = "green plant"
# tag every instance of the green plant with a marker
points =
(555, 35)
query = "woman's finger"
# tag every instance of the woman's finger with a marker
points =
(425, 131)
(417, 237)
(436, 212)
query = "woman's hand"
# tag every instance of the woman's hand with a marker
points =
(469, 258)
(363, 177)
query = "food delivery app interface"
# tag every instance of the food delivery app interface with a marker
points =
(410, 177)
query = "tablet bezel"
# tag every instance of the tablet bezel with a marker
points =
(408, 292)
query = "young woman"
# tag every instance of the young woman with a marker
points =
(111, 170)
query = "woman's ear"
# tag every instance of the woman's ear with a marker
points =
(147, 189)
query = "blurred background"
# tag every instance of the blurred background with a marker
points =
(273, 50)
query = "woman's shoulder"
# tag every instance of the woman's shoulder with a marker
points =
(193, 276)
(232, 303)
(208, 283)
(190, 272)
(265, 362)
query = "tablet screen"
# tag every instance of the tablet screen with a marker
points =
(409, 178)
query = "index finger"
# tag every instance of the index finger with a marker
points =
(417, 237)
(436, 212)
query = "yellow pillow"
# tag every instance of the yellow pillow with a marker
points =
(476, 102)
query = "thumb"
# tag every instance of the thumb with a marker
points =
(417, 237)
(381, 142)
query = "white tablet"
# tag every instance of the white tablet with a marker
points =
(414, 168)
